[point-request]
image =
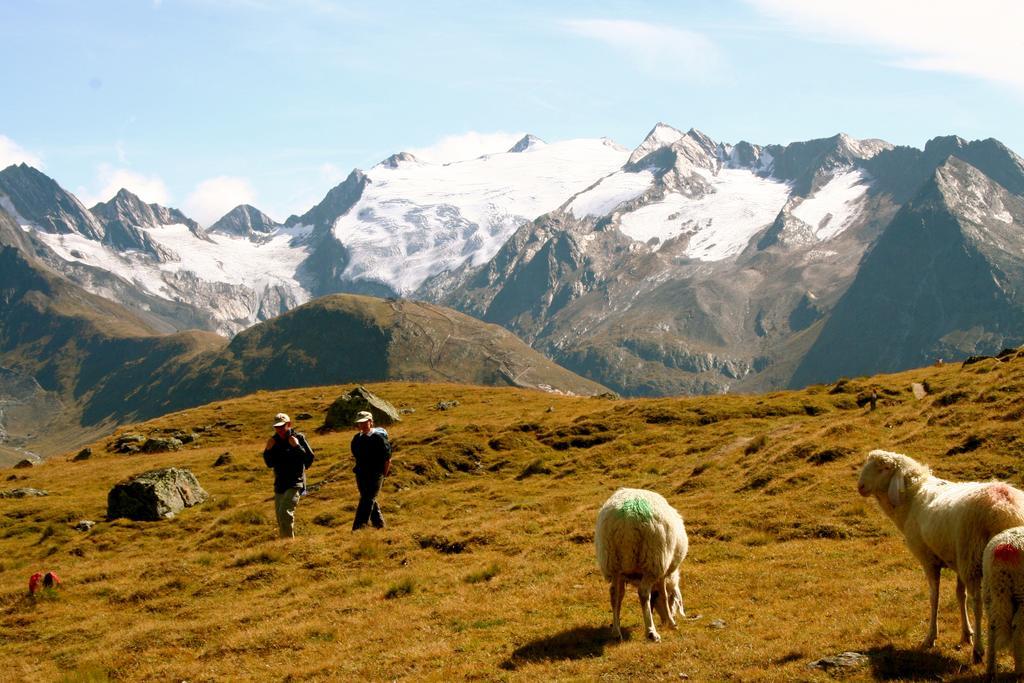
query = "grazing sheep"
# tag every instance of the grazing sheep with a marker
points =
(944, 524)
(1002, 586)
(640, 539)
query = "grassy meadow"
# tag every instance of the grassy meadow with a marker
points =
(486, 570)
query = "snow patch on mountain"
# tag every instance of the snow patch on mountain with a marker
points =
(222, 258)
(831, 209)
(720, 224)
(415, 220)
(610, 192)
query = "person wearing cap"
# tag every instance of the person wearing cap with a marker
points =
(288, 453)
(372, 452)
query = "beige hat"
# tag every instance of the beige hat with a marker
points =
(281, 419)
(364, 416)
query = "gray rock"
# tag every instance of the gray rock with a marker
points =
(23, 493)
(844, 661)
(342, 413)
(223, 459)
(154, 495)
(83, 454)
(24, 464)
(159, 445)
(84, 525)
(717, 624)
(919, 390)
(127, 443)
(446, 405)
(185, 437)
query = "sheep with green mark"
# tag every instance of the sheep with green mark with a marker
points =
(640, 539)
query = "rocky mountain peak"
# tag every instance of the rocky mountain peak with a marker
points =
(337, 202)
(703, 141)
(745, 155)
(246, 221)
(662, 135)
(395, 159)
(126, 207)
(525, 143)
(983, 206)
(863, 149)
(39, 200)
(944, 144)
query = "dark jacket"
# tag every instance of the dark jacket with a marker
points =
(371, 451)
(289, 462)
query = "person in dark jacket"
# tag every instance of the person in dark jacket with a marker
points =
(372, 452)
(289, 454)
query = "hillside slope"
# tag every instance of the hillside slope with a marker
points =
(486, 570)
(65, 352)
(348, 337)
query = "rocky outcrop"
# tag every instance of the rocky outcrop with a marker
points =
(23, 493)
(155, 495)
(342, 413)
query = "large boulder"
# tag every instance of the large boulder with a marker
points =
(342, 413)
(154, 495)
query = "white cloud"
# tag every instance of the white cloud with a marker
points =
(661, 51)
(466, 146)
(13, 153)
(214, 197)
(332, 174)
(980, 39)
(110, 180)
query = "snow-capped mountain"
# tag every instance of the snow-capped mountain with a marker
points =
(412, 220)
(683, 265)
(703, 267)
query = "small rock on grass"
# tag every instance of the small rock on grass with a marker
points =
(844, 661)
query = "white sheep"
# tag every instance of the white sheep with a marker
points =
(1002, 586)
(641, 539)
(944, 524)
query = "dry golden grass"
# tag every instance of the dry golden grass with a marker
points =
(487, 571)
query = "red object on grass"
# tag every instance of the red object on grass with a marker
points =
(34, 582)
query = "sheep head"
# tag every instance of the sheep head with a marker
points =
(887, 474)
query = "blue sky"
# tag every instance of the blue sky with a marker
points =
(205, 104)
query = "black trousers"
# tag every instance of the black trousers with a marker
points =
(368, 511)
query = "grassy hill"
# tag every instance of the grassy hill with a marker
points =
(487, 570)
(82, 365)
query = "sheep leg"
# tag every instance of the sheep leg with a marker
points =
(990, 663)
(932, 574)
(663, 605)
(1016, 641)
(978, 651)
(617, 590)
(644, 593)
(966, 632)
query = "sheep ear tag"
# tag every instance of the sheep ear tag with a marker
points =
(896, 489)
